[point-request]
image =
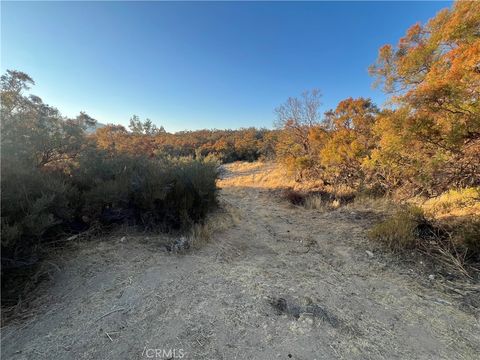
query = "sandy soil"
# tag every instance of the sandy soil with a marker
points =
(278, 282)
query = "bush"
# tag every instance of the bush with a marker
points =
(456, 244)
(294, 197)
(466, 239)
(402, 230)
(170, 193)
(34, 204)
(39, 205)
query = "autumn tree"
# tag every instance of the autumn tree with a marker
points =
(433, 74)
(111, 137)
(350, 140)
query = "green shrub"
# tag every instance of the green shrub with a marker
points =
(171, 193)
(39, 205)
(33, 204)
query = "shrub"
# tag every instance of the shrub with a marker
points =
(455, 244)
(34, 204)
(402, 230)
(39, 205)
(294, 197)
(466, 239)
(165, 193)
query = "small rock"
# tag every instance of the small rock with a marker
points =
(443, 302)
(306, 319)
(431, 277)
(369, 253)
(181, 244)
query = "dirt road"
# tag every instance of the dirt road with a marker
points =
(279, 282)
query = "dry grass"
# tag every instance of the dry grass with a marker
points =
(216, 223)
(265, 175)
(294, 197)
(378, 205)
(314, 202)
(443, 227)
(317, 202)
(258, 174)
(457, 211)
(455, 245)
(454, 203)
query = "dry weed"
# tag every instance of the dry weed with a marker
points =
(216, 223)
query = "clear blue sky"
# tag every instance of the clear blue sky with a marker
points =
(199, 65)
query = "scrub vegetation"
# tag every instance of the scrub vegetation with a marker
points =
(375, 203)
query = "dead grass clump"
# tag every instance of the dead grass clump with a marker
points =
(455, 245)
(378, 205)
(216, 223)
(316, 202)
(319, 199)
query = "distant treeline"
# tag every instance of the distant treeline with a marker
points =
(226, 145)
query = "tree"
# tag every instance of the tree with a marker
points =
(111, 137)
(434, 76)
(296, 117)
(146, 127)
(33, 132)
(350, 140)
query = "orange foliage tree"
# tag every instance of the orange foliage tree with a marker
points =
(433, 75)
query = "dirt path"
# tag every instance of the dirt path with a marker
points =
(279, 283)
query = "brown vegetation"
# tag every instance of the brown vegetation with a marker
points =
(427, 145)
